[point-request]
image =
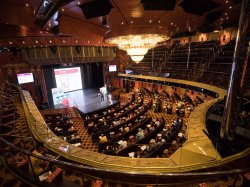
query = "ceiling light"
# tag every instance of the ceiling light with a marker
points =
(50, 41)
(63, 41)
(23, 42)
(137, 45)
(122, 23)
(78, 2)
(10, 43)
(131, 22)
(26, 4)
(62, 9)
(159, 21)
(226, 2)
(150, 21)
(230, 7)
(76, 41)
(88, 41)
(36, 41)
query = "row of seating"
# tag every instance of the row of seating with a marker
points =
(62, 126)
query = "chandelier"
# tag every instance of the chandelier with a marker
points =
(137, 45)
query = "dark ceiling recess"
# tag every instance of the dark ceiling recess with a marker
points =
(95, 9)
(158, 4)
(184, 34)
(198, 7)
(230, 24)
(206, 28)
(212, 16)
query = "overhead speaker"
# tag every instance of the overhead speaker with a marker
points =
(53, 48)
(158, 4)
(55, 30)
(96, 8)
(78, 49)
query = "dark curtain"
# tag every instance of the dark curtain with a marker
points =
(49, 81)
(92, 75)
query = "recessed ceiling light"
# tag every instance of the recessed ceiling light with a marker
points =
(78, 2)
(76, 41)
(10, 43)
(172, 23)
(226, 1)
(122, 23)
(131, 22)
(225, 14)
(227, 17)
(63, 41)
(159, 21)
(88, 41)
(50, 41)
(36, 41)
(230, 7)
(150, 21)
(221, 19)
(62, 9)
(41, 32)
(26, 4)
(23, 42)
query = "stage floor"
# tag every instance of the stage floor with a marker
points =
(87, 100)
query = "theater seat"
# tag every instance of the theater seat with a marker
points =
(56, 177)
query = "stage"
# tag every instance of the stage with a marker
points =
(87, 100)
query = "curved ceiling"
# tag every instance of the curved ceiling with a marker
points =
(22, 25)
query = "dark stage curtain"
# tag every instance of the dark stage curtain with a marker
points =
(92, 75)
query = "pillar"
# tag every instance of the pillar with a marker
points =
(235, 89)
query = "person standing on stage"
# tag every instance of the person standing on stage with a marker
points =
(102, 96)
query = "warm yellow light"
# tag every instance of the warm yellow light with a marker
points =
(137, 45)
(137, 58)
(137, 51)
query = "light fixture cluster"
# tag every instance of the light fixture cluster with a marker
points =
(137, 45)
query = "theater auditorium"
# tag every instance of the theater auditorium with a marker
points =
(115, 93)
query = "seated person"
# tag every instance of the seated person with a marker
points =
(126, 129)
(39, 166)
(103, 138)
(123, 144)
(140, 134)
